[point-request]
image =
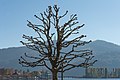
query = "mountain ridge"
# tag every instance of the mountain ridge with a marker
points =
(92, 42)
(107, 54)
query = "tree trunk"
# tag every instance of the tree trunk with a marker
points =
(54, 75)
(86, 72)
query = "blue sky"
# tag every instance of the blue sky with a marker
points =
(101, 18)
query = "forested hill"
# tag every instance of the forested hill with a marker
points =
(107, 54)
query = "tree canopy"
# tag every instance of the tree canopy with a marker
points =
(59, 54)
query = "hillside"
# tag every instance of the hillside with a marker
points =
(107, 54)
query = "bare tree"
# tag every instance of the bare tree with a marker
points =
(57, 55)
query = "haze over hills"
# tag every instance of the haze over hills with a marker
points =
(107, 54)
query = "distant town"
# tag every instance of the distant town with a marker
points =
(14, 74)
(103, 73)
